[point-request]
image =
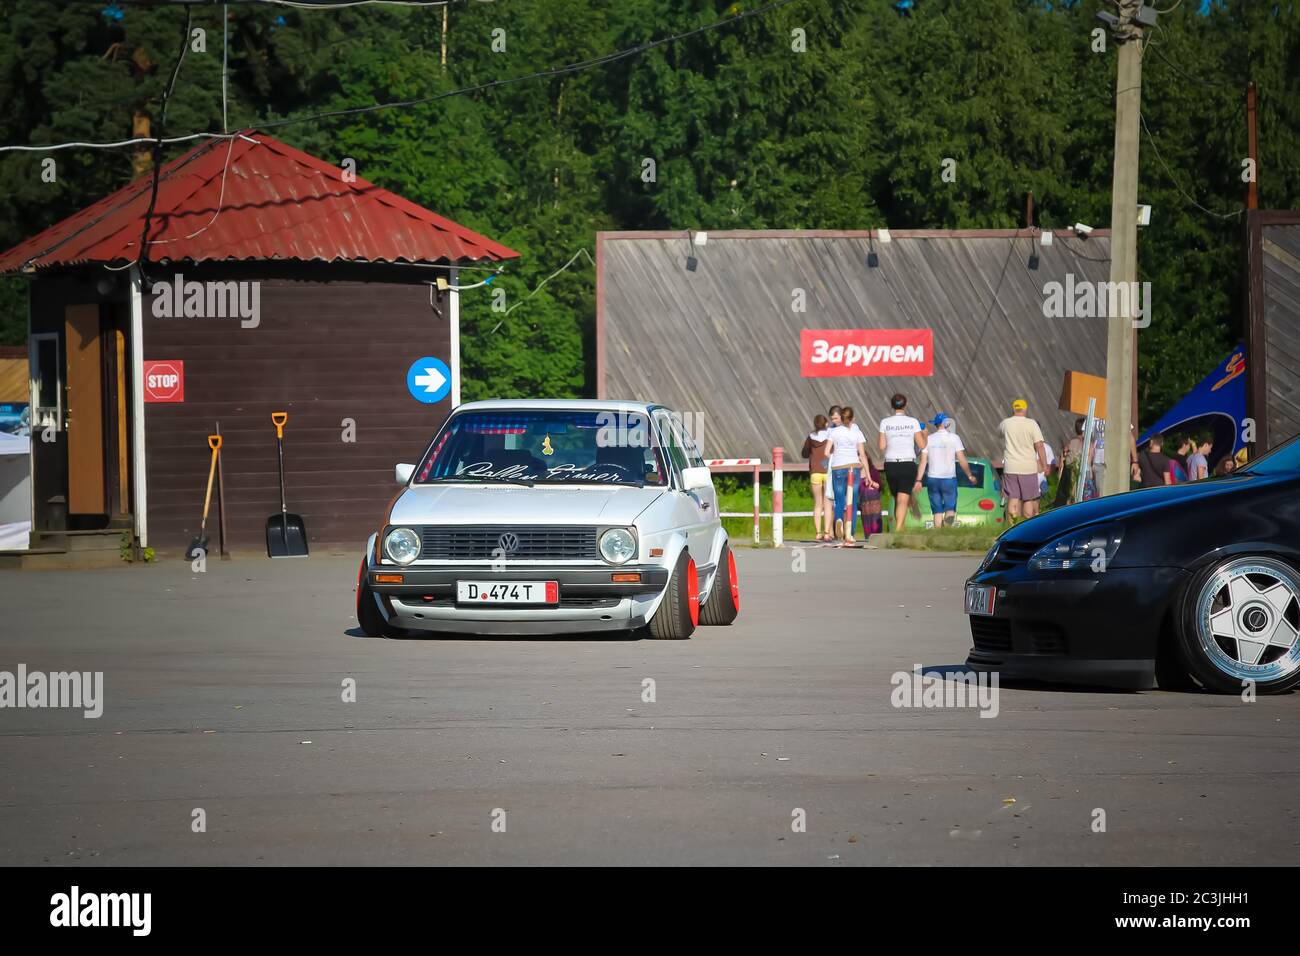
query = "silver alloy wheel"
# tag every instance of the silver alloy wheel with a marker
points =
(1248, 619)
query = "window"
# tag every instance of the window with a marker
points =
(540, 446)
(45, 354)
(688, 443)
(670, 431)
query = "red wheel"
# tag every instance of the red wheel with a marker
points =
(723, 603)
(693, 593)
(733, 580)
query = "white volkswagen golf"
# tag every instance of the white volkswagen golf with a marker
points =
(550, 517)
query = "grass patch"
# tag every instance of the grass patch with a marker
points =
(978, 538)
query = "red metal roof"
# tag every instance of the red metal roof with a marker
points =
(253, 197)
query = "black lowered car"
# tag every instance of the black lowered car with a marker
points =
(1182, 585)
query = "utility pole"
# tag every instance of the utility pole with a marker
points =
(1252, 148)
(1120, 351)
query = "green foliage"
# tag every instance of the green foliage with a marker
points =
(744, 132)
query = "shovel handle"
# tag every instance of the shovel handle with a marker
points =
(278, 419)
(214, 442)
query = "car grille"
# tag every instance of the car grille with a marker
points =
(430, 600)
(1047, 638)
(1012, 554)
(990, 633)
(483, 542)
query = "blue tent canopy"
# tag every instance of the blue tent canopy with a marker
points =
(1217, 403)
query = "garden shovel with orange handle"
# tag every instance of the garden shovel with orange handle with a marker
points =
(286, 535)
(199, 546)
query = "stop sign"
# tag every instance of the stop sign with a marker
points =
(164, 381)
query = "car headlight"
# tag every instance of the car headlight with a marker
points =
(402, 545)
(1088, 548)
(617, 546)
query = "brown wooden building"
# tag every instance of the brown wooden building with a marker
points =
(274, 282)
(1273, 325)
(722, 341)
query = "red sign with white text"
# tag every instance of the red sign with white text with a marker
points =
(828, 353)
(164, 381)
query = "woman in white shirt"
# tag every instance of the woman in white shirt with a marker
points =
(901, 437)
(848, 454)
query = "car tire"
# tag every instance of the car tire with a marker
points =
(724, 597)
(679, 612)
(368, 615)
(1240, 623)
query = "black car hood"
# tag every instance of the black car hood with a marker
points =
(1059, 521)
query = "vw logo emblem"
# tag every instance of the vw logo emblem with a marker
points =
(508, 542)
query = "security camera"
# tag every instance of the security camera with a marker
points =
(1082, 230)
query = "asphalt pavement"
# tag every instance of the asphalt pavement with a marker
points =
(224, 693)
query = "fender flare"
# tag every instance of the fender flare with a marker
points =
(720, 537)
(672, 551)
(370, 563)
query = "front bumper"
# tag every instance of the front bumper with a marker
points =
(1087, 628)
(589, 600)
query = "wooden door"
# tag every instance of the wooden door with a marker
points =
(85, 411)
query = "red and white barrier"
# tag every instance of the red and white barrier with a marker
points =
(778, 497)
(778, 493)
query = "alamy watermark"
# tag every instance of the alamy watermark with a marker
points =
(75, 909)
(933, 690)
(1090, 299)
(56, 689)
(177, 299)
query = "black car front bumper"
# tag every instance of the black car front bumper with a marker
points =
(1081, 627)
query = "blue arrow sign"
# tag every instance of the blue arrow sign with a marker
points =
(429, 380)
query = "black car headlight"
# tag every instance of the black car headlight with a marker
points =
(617, 546)
(1092, 548)
(402, 545)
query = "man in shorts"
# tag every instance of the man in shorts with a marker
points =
(1023, 457)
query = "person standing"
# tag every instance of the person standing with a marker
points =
(901, 437)
(1153, 464)
(1072, 458)
(1198, 462)
(943, 452)
(833, 417)
(1023, 457)
(848, 454)
(869, 500)
(816, 448)
(1044, 476)
(1099, 457)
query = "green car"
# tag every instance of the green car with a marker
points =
(978, 504)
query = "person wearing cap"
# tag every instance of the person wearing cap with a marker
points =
(939, 459)
(1024, 455)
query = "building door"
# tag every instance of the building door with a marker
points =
(84, 422)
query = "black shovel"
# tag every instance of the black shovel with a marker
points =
(200, 543)
(286, 535)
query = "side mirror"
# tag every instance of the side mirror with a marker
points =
(700, 477)
(403, 473)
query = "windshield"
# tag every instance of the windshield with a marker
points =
(976, 470)
(1282, 459)
(542, 446)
